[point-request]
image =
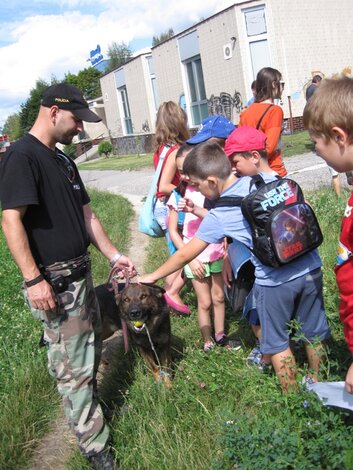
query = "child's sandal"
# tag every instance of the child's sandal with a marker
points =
(228, 343)
(208, 345)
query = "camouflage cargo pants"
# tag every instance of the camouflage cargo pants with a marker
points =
(72, 333)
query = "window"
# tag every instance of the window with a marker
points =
(198, 100)
(256, 31)
(255, 21)
(126, 111)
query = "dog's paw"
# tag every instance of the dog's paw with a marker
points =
(165, 377)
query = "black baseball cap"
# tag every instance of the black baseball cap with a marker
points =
(66, 96)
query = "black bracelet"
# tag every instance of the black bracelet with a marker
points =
(34, 281)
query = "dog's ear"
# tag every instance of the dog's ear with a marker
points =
(157, 290)
(117, 298)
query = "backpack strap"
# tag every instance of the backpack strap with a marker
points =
(262, 116)
(258, 181)
(157, 174)
(209, 204)
(228, 201)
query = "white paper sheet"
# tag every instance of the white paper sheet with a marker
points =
(333, 394)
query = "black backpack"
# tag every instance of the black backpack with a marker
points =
(240, 286)
(283, 226)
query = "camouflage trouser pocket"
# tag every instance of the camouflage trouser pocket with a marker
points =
(52, 336)
(50, 320)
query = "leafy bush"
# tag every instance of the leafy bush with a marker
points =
(105, 148)
(301, 434)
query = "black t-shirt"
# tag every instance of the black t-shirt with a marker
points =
(48, 183)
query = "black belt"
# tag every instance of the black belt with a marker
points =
(60, 282)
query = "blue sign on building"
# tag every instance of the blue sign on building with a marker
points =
(96, 56)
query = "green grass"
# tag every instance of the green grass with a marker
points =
(115, 213)
(220, 413)
(119, 163)
(28, 397)
(28, 401)
(297, 144)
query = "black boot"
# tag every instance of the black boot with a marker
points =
(349, 175)
(103, 461)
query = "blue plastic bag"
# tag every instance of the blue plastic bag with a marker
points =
(147, 221)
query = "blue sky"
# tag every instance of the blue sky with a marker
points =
(41, 39)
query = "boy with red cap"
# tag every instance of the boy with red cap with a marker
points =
(246, 150)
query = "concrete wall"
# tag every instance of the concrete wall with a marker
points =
(168, 71)
(95, 130)
(138, 89)
(140, 96)
(311, 37)
(110, 100)
(222, 75)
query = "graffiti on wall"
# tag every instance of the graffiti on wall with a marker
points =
(146, 126)
(225, 104)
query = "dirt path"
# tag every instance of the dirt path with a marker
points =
(55, 449)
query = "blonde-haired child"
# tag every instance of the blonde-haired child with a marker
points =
(328, 116)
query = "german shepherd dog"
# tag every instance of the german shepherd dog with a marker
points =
(144, 310)
(146, 314)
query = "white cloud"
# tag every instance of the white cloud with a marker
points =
(41, 46)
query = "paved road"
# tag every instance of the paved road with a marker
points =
(308, 170)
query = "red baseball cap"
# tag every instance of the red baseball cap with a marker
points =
(245, 139)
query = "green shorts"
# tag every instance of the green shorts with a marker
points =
(213, 267)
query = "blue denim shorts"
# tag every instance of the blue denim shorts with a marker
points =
(299, 299)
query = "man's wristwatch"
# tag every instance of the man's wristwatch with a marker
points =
(34, 281)
(115, 258)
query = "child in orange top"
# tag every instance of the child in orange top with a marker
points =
(264, 115)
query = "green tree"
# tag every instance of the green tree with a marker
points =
(12, 126)
(118, 55)
(162, 37)
(29, 109)
(87, 80)
(105, 148)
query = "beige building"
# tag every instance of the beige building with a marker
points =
(209, 67)
(130, 98)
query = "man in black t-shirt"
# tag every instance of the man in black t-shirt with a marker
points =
(48, 225)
